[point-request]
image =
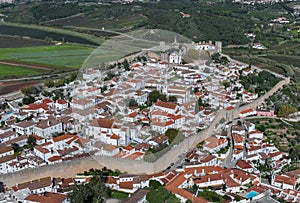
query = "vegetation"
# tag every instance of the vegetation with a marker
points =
(224, 150)
(217, 58)
(118, 195)
(15, 42)
(213, 196)
(95, 191)
(285, 135)
(105, 171)
(285, 110)
(48, 33)
(289, 94)
(156, 95)
(2, 187)
(158, 194)
(9, 70)
(259, 83)
(31, 141)
(71, 56)
(226, 22)
(221, 20)
(171, 133)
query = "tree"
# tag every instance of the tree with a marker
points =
(2, 187)
(46, 94)
(133, 103)
(15, 147)
(94, 191)
(154, 184)
(28, 99)
(171, 133)
(172, 98)
(49, 83)
(59, 83)
(26, 90)
(285, 110)
(126, 65)
(226, 84)
(155, 95)
(31, 141)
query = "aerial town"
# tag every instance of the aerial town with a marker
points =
(149, 101)
(154, 104)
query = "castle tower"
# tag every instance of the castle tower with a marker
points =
(218, 46)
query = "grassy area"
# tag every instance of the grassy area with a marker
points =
(118, 195)
(71, 56)
(213, 196)
(8, 70)
(42, 32)
(90, 21)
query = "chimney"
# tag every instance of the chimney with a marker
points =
(48, 123)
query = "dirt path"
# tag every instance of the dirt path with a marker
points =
(27, 65)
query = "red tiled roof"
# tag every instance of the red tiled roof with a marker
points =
(115, 137)
(243, 164)
(237, 138)
(102, 123)
(173, 185)
(133, 114)
(54, 158)
(34, 184)
(247, 111)
(38, 138)
(63, 137)
(5, 149)
(285, 179)
(128, 148)
(126, 185)
(168, 105)
(111, 180)
(41, 149)
(229, 108)
(61, 101)
(47, 197)
(135, 155)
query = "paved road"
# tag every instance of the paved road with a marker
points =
(227, 161)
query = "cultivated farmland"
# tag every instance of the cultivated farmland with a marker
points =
(13, 42)
(43, 33)
(63, 56)
(8, 70)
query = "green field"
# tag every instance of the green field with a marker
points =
(70, 56)
(7, 70)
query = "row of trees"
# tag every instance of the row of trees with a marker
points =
(60, 82)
